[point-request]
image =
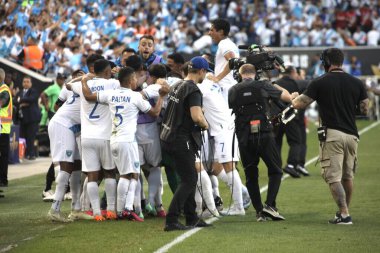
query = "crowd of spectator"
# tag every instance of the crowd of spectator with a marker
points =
(69, 31)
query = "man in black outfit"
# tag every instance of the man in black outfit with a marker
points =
(249, 101)
(29, 115)
(181, 138)
(293, 129)
(339, 96)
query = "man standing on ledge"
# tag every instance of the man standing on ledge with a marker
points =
(339, 96)
(181, 139)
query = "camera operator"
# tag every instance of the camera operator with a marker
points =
(339, 96)
(181, 139)
(249, 101)
(293, 129)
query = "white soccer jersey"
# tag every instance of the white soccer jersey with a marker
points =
(124, 105)
(68, 114)
(225, 46)
(216, 110)
(96, 117)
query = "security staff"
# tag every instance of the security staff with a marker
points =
(339, 96)
(181, 139)
(249, 101)
(5, 122)
(293, 129)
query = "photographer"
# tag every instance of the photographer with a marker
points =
(249, 101)
(339, 96)
(181, 139)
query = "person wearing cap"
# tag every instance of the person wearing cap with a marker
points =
(181, 138)
(48, 98)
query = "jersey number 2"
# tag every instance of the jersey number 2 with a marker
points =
(92, 116)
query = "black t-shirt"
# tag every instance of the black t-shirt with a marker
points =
(338, 95)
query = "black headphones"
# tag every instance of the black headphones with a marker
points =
(325, 59)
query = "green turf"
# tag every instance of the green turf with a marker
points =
(306, 203)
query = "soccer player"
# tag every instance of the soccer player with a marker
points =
(124, 105)
(146, 51)
(95, 139)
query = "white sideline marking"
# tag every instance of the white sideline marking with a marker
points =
(189, 233)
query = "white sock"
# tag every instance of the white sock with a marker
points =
(198, 197)
(122, 188)
(158, 197)
(93, 194)
(215, 186)
(235, 182)
(60, 190)
(85, 200)
(75, 189)
(57, 169)
(154, 181)
(110, 188)
(130, 194)
(207, 190)
(223, 176)
(142, 186)
(244, 190)
(137, 199)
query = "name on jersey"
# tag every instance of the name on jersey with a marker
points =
(119, 99)
(97, 88)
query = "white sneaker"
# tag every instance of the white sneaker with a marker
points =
(78, 215)
(209, 213)
(232, 211)
(68, 196)
(48, 198)
(57, 216)
(47, 193)
(246, 201)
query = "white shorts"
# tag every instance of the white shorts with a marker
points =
(96, 154)
(150, 153)
(63, 146)
(126, 157)
(223, 147)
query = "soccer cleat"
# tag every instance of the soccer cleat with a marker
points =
(141, 215)
(233, 211)
(48, 198)
(68, 196)
(78, 215)
(161, 213)
(150, 210)
(291, 171)
(57, 216)
(130, 215)
(111, 215)
(47, 193)
(89, 212)
(209, 213)
(339, 220)
(103, 212)
(272, 213)
(260, 217)
(99, 218)
(218, 203)
(302, 170)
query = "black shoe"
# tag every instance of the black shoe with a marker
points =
(199, 224)
(339, 220)
(175, 226)
(272, 212)
(2, 184)
(291, 171)
(302, 170)
(218, 203)
(261, 217)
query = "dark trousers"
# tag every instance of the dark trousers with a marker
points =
(293, 136)
(29, 131)
(4, 153)
(50, 177)
(261, 146)
(302, 127)
(183, 156)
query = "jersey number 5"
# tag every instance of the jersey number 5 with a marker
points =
(118, 115)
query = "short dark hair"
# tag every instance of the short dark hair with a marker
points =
(135, 62)
(289, 70)
(100, 65)
(77, 72)
(177, 58)
(221, 24)
(129, 50)
(92, 59)
(125, 73)
(157, 70)
(148, 37)
(335, 56)
(27, 77)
